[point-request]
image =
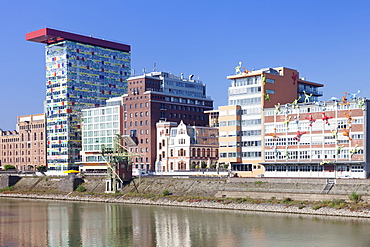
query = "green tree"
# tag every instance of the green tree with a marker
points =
(9, 167)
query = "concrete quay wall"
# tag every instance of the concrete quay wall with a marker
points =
(300, 185)
(297, 189)
(292, 196)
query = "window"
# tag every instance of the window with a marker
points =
(281, 168)
(232, 144)
(233, 123)
(317, 168)
(269, 168)
(222, 123)
(222, 134)
(223, 155)
(292, 168)
(304, 168)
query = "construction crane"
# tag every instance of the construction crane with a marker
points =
(117, 158)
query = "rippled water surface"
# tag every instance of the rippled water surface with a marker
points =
(59, 223)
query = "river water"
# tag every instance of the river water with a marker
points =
(60, 223)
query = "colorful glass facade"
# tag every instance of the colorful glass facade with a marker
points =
(78, 76)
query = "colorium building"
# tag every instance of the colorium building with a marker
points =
(81, 72)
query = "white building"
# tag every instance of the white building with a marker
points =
(183, 148)
(100, 126)
(322, 140)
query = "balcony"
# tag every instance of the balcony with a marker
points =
(312, 91)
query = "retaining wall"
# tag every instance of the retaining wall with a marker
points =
(281, 196)
(268, 187)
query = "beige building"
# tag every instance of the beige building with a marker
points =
(25, 147)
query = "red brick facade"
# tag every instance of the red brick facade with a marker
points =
(145, 105)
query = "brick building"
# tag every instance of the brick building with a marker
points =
(160, 96)
(25, 147)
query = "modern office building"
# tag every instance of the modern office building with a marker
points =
(25, 147)
(99, 127)
(81, 72)
(159, 96)
(184, 148)
(241, 122)
(322, 140)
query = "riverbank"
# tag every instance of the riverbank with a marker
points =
(288, 207)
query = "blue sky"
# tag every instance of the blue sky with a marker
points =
(326, 41)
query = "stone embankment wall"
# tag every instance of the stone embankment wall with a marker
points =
(311, 185)
(50, 184)
(265, 188)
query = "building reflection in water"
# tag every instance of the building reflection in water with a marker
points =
(172, 229)
(45, 223)
(22, 224)
(59, 223)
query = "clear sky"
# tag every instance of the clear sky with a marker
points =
(326, 41)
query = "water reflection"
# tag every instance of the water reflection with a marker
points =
(54, 223)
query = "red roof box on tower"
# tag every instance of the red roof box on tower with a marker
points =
(49, 36)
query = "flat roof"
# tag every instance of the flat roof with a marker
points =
(50, 36)
(266, 71)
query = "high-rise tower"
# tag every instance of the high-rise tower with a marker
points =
(81, 72)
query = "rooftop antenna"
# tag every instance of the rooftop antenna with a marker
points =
(144, 70)
(155, 67)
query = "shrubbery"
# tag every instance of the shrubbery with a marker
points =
(80, 188)
(9, 167)
(355, 197)
(166, 193)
